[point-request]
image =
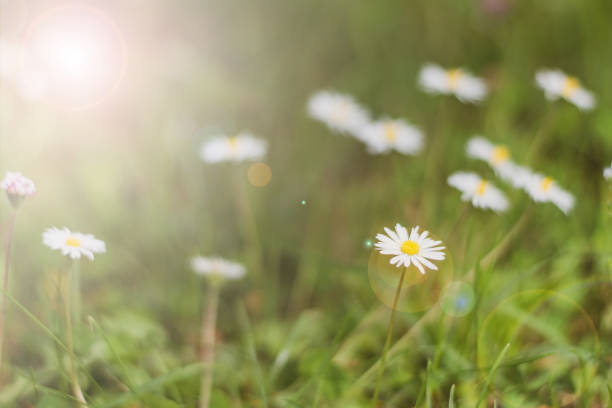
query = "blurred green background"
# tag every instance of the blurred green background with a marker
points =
(128, 171)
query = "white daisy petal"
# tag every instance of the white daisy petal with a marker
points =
(241, 147)
(556, 84)
(73, 244)
(414, 248)
(217, 267)
(466, 87)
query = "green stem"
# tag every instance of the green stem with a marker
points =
(74, 379)
(7, 263)
(389, 335)
(209, 322)
(248, 220)
(76, 290)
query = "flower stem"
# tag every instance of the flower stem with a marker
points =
(388, 340)
(74, 379)
(250, 225)
(7, 262)
(209, 321)
(75, 295)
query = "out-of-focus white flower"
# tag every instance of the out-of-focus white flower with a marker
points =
(17, 187)
(385, 135)
(73, 244)
(556, 84)
(458, 82)
(545, 189)
(217, 267)
(338, 111)
(480, 148)
(414, 248)
(235, 149)
(607, 173)
(481, 193)
(518, 176)
(498, 157)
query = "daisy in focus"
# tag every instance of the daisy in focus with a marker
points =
(73, 244)
(556, 84)
(607, 173)
(466, 87)
(338, 111)
(481, 193)
(414, 248)
(217, 267)
(545, 189)
(17, 187)
(234, 149)
(386, 135)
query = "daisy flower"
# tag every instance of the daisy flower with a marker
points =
(73, 244)
(235, 149)
(338, 111)
(545, 189)
(386, 135)
(217, 267)
(556, 84)
(498, 157)
(414, 248)
(607, 173)
(466, 87)
(17, 187)
(480, 148)
(481, 193)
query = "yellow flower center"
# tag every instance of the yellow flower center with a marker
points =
(570, 86)
(73, 242)
(233, 143)
(546, 183)
(390, 132)
(410, 247)
(500, 155)
(454, 75)
(480, 190)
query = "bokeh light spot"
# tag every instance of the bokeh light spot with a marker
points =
(259, 174)
(457, 299)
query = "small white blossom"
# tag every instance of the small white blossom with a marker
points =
(217, 267)
(338, 111)
(545, 189)
(466, 87)
(607, 173)
(73, 244)
(235, 149)
(481, 193)
(498, 157)
(556, 84)
(414, 248)
(386, 135)
(17, 187)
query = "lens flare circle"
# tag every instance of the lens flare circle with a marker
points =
(81, 53)
(457, 299)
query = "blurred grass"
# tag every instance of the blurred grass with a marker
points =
(128, 172)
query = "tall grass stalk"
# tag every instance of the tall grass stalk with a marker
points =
(74, 379)
(383, 360)
(7, 263)
(207, 351)
(249, 224)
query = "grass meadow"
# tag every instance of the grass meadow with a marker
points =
(518, 314)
